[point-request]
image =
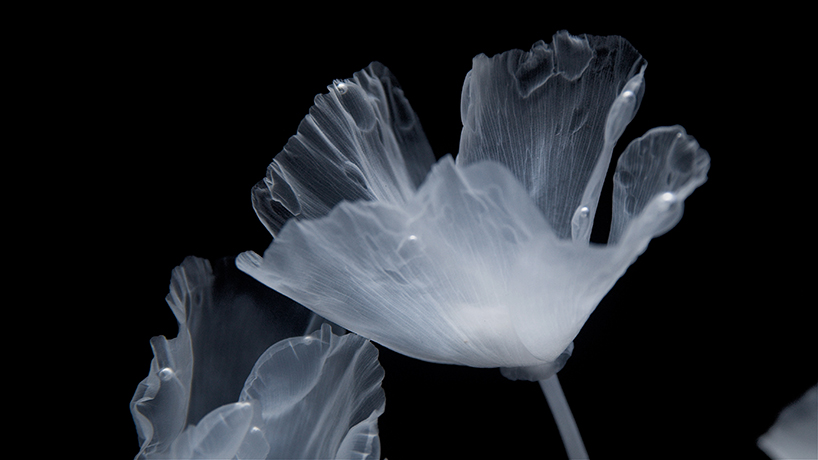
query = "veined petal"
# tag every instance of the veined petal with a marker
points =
(218, 435)
(467, 272)
(653, 177)
(319, 396)
(226, 321)
(362, 140)
(552, 115)
(160, 404)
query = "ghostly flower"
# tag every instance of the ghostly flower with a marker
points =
(487, 262)
(795, 432)
(236, 384)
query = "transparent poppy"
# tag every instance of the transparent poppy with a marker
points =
(245, 379)
(487, 262)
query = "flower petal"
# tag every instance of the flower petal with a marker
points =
(319, 396)
(226, 321)
(795, 432)
(218, 435)
(468, 272)
(362, 140)
(552, 116)
(653, 177)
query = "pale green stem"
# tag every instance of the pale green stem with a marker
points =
(565, 419)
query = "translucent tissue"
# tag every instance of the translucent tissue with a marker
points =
(486, 263)
(241, 380)
(795, 432)
(362, 141)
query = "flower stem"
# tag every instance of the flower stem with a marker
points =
(565, 419)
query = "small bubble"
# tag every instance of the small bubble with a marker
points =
(668, 199)
(410, 247)
(341, 87)
(584, 212)
(628, 94)
(166, 374)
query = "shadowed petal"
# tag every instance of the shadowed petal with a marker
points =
(362, 140)
(226, 321)
(552, 115)
(467, 272)
(319, 396)
(664, 167)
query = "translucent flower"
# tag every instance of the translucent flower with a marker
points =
(795, 432)
(487, 262)
(236, 384)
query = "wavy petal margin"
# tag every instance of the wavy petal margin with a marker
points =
(467, 272)
(489, 263)
(193, 402)
(552, 115)
(360, 141)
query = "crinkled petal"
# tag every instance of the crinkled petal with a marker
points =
(552, 115)
(362, 140)
(160, 404)
(226, 321)
(468, 272)
(319, 396)
(218, 435)
(653, 177)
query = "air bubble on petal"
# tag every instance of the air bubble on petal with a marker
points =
(581, 224)
(340, 86)
(584, 212)
(668, 200)
(410, 248)
(166, 374)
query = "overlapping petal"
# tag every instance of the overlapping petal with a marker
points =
(552, 115)
(489, 263)
(362, 140)
(198, 401)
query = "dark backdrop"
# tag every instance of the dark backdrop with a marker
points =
(691, 354)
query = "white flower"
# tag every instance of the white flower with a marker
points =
(795, 432)
(487, 263)
(236, 384)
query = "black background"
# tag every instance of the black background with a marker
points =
(174, 115)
